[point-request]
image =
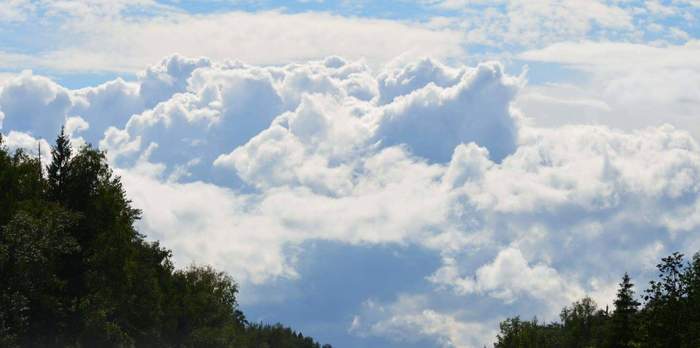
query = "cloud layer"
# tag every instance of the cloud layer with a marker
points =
(241, 166)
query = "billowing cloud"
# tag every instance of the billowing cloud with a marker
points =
(432, 121)
(241, 166)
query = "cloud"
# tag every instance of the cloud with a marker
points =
(271, 37)
(15, 10)
(18, 140)
(434, 120)
(617, 55)
(409, 320)
(534, 23)
(34, 104)
(509, 276)
(623, 85)
(241, 166)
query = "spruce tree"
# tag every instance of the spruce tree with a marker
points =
(59, 168)
(623, 328)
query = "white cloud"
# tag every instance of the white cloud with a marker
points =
(626, 86)
(238, 165)
(260, 38)
(15, 10)
(75, 125)
(618, 56)
(34, 104)
(531, 23)
(19, 140)
(509, 276)
(408, 319)
(432, 121)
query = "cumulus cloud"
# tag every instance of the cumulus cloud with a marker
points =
(432, 121)
(509, 276)
(408, 320)
(34, 104)
(239, 165)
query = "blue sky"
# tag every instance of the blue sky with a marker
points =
(381, 173)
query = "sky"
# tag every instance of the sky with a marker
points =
(381, 173)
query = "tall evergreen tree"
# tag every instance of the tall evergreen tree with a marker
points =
(623, 330)
(59, 168)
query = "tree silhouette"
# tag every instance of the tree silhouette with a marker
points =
(623, 329)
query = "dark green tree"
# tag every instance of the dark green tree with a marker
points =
(33, 301)
(516, 333)
(583, 324)
(75, 272)
(663, 314)
(623, 326)
(692, 306)
(669, 317)
(59, 168)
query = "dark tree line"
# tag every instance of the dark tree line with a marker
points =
(74, 272)
(668, 317)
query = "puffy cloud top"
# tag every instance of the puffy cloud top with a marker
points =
(242, 165)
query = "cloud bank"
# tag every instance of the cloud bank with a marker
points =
(240, 165)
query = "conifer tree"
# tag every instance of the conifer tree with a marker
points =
(59, 168)
(623, 328)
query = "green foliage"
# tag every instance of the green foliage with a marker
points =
(669, 317)
(519, 333)
(623, 325)
(59, 169)
(277, 336)
(76, 273)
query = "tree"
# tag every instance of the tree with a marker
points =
(517, 333)
(59, 168)
(583, 324)
(32, 247)
(663, 324)
(623, 329)
(691, 307)
(75, 272)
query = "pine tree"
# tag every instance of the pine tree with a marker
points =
(623, 329)
(59, 168)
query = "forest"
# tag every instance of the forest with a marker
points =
(75, 272)
(666, 314)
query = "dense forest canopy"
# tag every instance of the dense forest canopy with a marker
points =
(668, 317)
(76, 273)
